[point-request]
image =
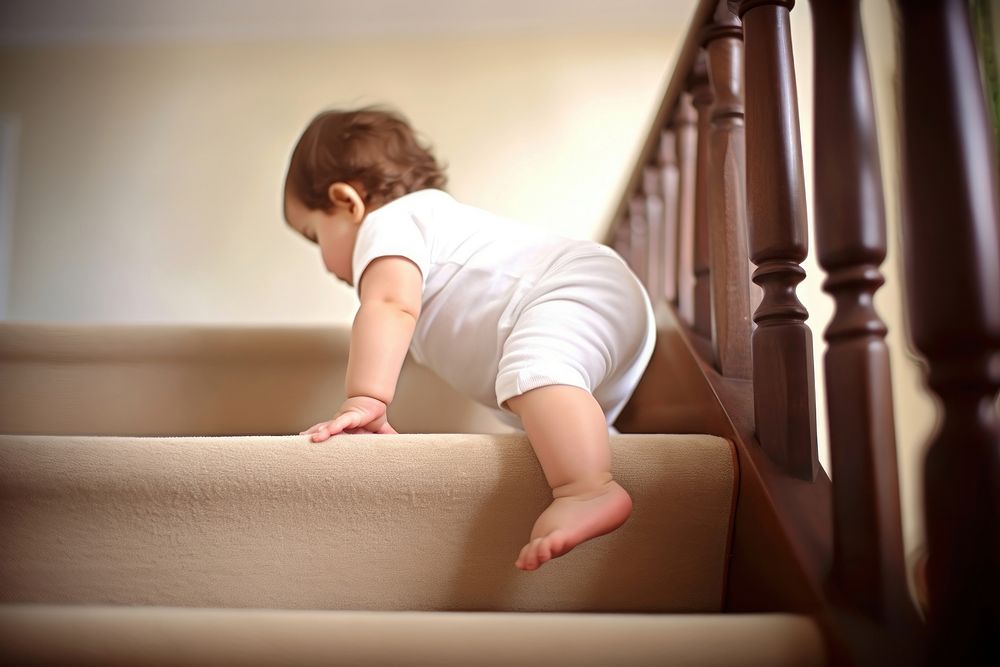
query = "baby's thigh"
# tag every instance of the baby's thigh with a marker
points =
(588, 330)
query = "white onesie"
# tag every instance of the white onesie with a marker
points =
(507, 307)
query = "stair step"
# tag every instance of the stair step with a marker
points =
(207, 380)
(152, 636)
(428, 522)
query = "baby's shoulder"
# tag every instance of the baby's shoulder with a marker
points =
(420, 197)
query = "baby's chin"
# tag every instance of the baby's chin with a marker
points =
(346, 281)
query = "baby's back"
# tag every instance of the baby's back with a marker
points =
(480, 271)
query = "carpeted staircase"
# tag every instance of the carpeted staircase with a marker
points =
(142, 527)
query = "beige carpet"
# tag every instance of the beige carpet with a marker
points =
(120, 549)
(407, 522)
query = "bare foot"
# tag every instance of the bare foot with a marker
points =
(573, 519)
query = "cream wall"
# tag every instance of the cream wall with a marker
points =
(149, 175)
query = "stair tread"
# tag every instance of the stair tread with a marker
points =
(165, 635)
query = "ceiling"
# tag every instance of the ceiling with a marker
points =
(81, 21)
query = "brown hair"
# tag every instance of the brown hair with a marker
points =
(372, 146)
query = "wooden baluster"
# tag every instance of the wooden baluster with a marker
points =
(951, 245)
(702, 98)
(869, 569)
(655, 259)
(723, 41)
(685, 126)
(639, 238)
(668, 184)
(784, 395)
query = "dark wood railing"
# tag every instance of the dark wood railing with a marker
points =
(952, 260)
(719, 185)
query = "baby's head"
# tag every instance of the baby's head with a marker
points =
(345, 165)
(372, 149)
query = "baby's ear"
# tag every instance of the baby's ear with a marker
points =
(343, 196)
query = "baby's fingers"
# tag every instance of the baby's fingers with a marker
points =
(320, 435)
(321, 432)
(344, 422)
(313, 429)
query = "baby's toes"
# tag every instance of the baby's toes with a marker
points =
(530, 560)
(523, 556)
(556, 543)
(544, 551)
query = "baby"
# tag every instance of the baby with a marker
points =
(551, 333)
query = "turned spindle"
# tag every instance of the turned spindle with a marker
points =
(652, 188)
(685, 123)
(723, 41)
(667, 163)
(784, 394)
(701, 92)
(951, 243)
(869, 567)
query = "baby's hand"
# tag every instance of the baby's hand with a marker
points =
(360, 414)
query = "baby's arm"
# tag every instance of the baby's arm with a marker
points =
(390, 292)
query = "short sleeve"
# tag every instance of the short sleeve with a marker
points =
(390, 231)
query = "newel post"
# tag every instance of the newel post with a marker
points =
(723, 41)
(784, 395)
(951, 239)
(869, 568)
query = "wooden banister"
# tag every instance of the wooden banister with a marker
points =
(685, 121)
(726, 197)
(701, 97)
(676, 86)
(869, 569)
(784, 400)
(951, 238)
(668, 173)
(781, 535)
(652, 190)
(639, 237)
(783, 554)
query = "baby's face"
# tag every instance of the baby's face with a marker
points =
(334, 232)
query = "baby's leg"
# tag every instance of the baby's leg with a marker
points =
(567, 430)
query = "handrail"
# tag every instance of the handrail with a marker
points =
(662, 225)
(677, 84)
